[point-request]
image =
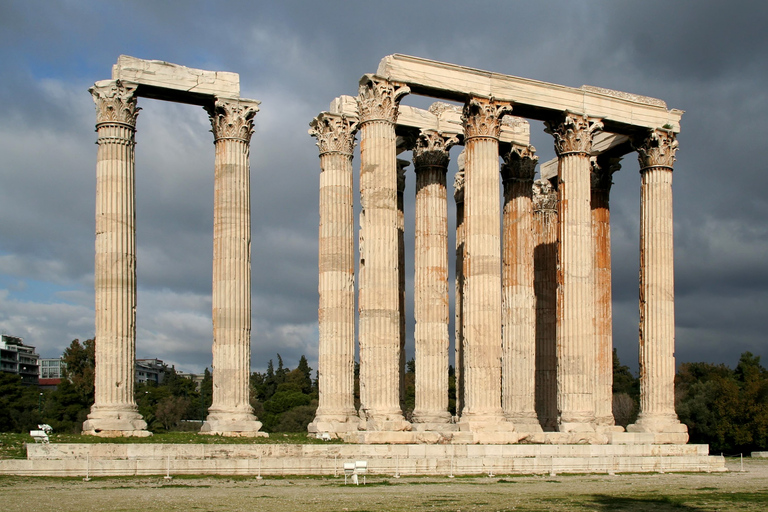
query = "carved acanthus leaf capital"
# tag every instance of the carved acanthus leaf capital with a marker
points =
(432, 149)
(378, 99)
(657, 149)
(603, 168)
(481, 117)
(335, 133)
(401, 165)
(544, 196)
(115, 102)
(519, 164)
(573, 133)
(232, 119)
(458, 186)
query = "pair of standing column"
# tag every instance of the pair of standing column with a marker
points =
(114, 412)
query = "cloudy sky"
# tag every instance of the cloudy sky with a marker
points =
(705, 57)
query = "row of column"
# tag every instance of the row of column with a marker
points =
(556, 259)
(114, 412)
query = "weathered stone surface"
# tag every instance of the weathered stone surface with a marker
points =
(336, 412)
(230, 412)
(163, 80)
(532, 98)
(518, 300)
(114, 412)
(576, 344)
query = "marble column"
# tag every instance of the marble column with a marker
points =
(545, 289)
(336, 412)
(114, 412)
(430, 159)
(230, 412)
(458, 195)
(602, 169)
(379, 299)
(657, 287)
(482, 267)
(518, 313)
(576, 344)
(401, 165)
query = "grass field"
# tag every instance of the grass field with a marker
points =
(732, 491)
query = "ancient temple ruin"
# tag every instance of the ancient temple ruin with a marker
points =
(533, 319)
(114, 412)
(532, 293)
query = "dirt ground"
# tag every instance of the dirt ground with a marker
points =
(735, 490)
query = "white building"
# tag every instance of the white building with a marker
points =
(18, 358)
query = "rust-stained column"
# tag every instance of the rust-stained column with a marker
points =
(379, 299)
(545, 289)
(657, 287)
(230, 412)
(430, 159)
(458, 195)
(401, 165)
(518, 310)
(602, 170)
(114, 412)
(335, 136)
(576, 346)
(482, 267)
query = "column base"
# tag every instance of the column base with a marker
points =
(388, 422)
(434, 427)
(115, 422)
(524, 422)
(232, 424)
(485, 423)
(658, 423)
(333, 424)
(440, 417)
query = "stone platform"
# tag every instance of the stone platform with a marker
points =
(328, 459)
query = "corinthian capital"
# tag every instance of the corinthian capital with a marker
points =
(519, 164)
(335, 133)
(573, 133)
(481, 117)
(232, 118)
(458, 186)
(115, 102)
(378, 99)
(401, 165)
(432, 149)
(544, 196)
(657, 149)
(603, 168)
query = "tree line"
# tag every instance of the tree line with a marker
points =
(723, 407)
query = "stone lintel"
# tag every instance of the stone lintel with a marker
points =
(621, 112)
(514, 130)
(171, 82)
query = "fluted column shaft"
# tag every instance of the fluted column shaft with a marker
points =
(602, 170)
(401, 165)
(518, 300)
(114, 408)
(545, 232)
(232, 126)
(576, 344)
(482, 264)
(379, 299)
(430, 157)
(336, 260)
(458, 194)
(657, 286)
